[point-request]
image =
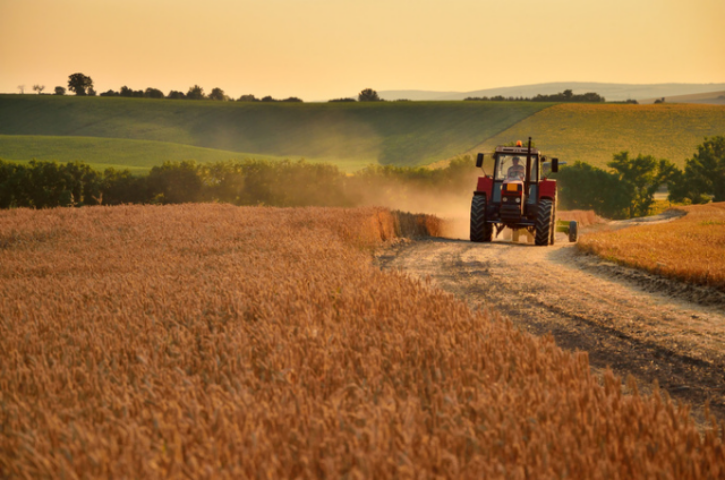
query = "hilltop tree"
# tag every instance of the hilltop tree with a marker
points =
(153, 93)
(39, 88)
(704, 174)
(176, 95)
(248, 98)
(59, 90)
(195, 93)
(368, 95)
(217, 94)
(78, 83)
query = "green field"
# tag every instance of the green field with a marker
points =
(350, 135)
(593, 133)
(140, 133)
(136, 155)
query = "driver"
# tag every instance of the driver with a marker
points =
(516, 171)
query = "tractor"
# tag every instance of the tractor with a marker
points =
(518, 195)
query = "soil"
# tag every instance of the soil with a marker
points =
(635, 323)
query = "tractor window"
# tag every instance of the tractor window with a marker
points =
(513, 167)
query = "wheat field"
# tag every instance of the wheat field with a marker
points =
(690, 248)
(211, 341)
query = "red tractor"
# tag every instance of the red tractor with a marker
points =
(518, 195)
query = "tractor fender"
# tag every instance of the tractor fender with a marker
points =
(547, 189)
(484, 186)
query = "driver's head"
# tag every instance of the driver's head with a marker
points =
(515, 160)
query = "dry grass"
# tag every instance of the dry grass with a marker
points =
(691, 248)
(212, 341)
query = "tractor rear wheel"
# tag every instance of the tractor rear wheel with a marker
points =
(544, 222)
(480, 230)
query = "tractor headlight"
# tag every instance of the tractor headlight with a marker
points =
(518, 200)
(504, 199)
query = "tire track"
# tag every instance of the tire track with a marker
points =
(547, 290)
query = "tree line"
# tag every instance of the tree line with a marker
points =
(567, 96)
(626, 190)
(246, 182)
(82, 85)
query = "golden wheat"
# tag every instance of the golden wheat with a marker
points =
(213, 341)
(691, 248)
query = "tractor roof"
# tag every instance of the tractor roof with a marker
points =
(517, 150)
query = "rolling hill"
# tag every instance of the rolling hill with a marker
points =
(140, 133)
(712, 98)
(613, 92)
(592, 133)
(139, 156)
(348, 134)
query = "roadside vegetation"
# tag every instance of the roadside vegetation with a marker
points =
(691, 248)
(217, 341)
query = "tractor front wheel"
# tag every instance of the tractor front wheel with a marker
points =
(480, 230)
(544, 222)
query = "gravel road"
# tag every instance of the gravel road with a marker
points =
(635, 323)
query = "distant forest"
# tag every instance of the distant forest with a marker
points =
(567, 96)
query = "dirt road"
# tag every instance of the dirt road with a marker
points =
(620, 316)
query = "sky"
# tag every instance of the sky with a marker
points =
(323, 49)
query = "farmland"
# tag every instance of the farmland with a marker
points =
(216, 341)
(350, 135)
(593, 133)
(690, 248)
(136, 155)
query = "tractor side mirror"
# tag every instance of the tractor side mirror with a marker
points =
(554, 165)
(479, 160)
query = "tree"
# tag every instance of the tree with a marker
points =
(59, 91)
(585, 187)
(175, 182)
(368, 95)
(268, 98)
(39, 88)
(22, 89)
(91, 92)
(195, 93)
(217, 94)
(78, 83)
(704, 174)
(248, 98)
(153, 93)
(642, 176)
(176, 95)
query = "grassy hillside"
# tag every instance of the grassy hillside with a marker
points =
(714, 98)
(399, 133)
(101, 153)
(593, 133)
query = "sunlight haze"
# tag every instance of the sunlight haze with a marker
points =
(322, 49)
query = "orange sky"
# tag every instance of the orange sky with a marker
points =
(322, 49)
